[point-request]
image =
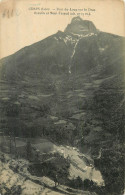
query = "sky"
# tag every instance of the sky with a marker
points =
(20, 27)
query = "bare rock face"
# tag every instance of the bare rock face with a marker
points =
(79, 26)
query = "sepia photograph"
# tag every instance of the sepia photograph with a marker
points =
(62, 103)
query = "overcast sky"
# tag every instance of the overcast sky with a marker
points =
(21, 27)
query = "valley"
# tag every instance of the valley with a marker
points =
(62, 114)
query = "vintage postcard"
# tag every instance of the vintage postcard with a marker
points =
(62, 103)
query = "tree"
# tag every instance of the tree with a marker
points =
(28, 150)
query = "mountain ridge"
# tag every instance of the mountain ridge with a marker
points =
(54, 50)
(69, 88)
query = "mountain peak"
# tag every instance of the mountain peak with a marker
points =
(80, 26)
(76, 19)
